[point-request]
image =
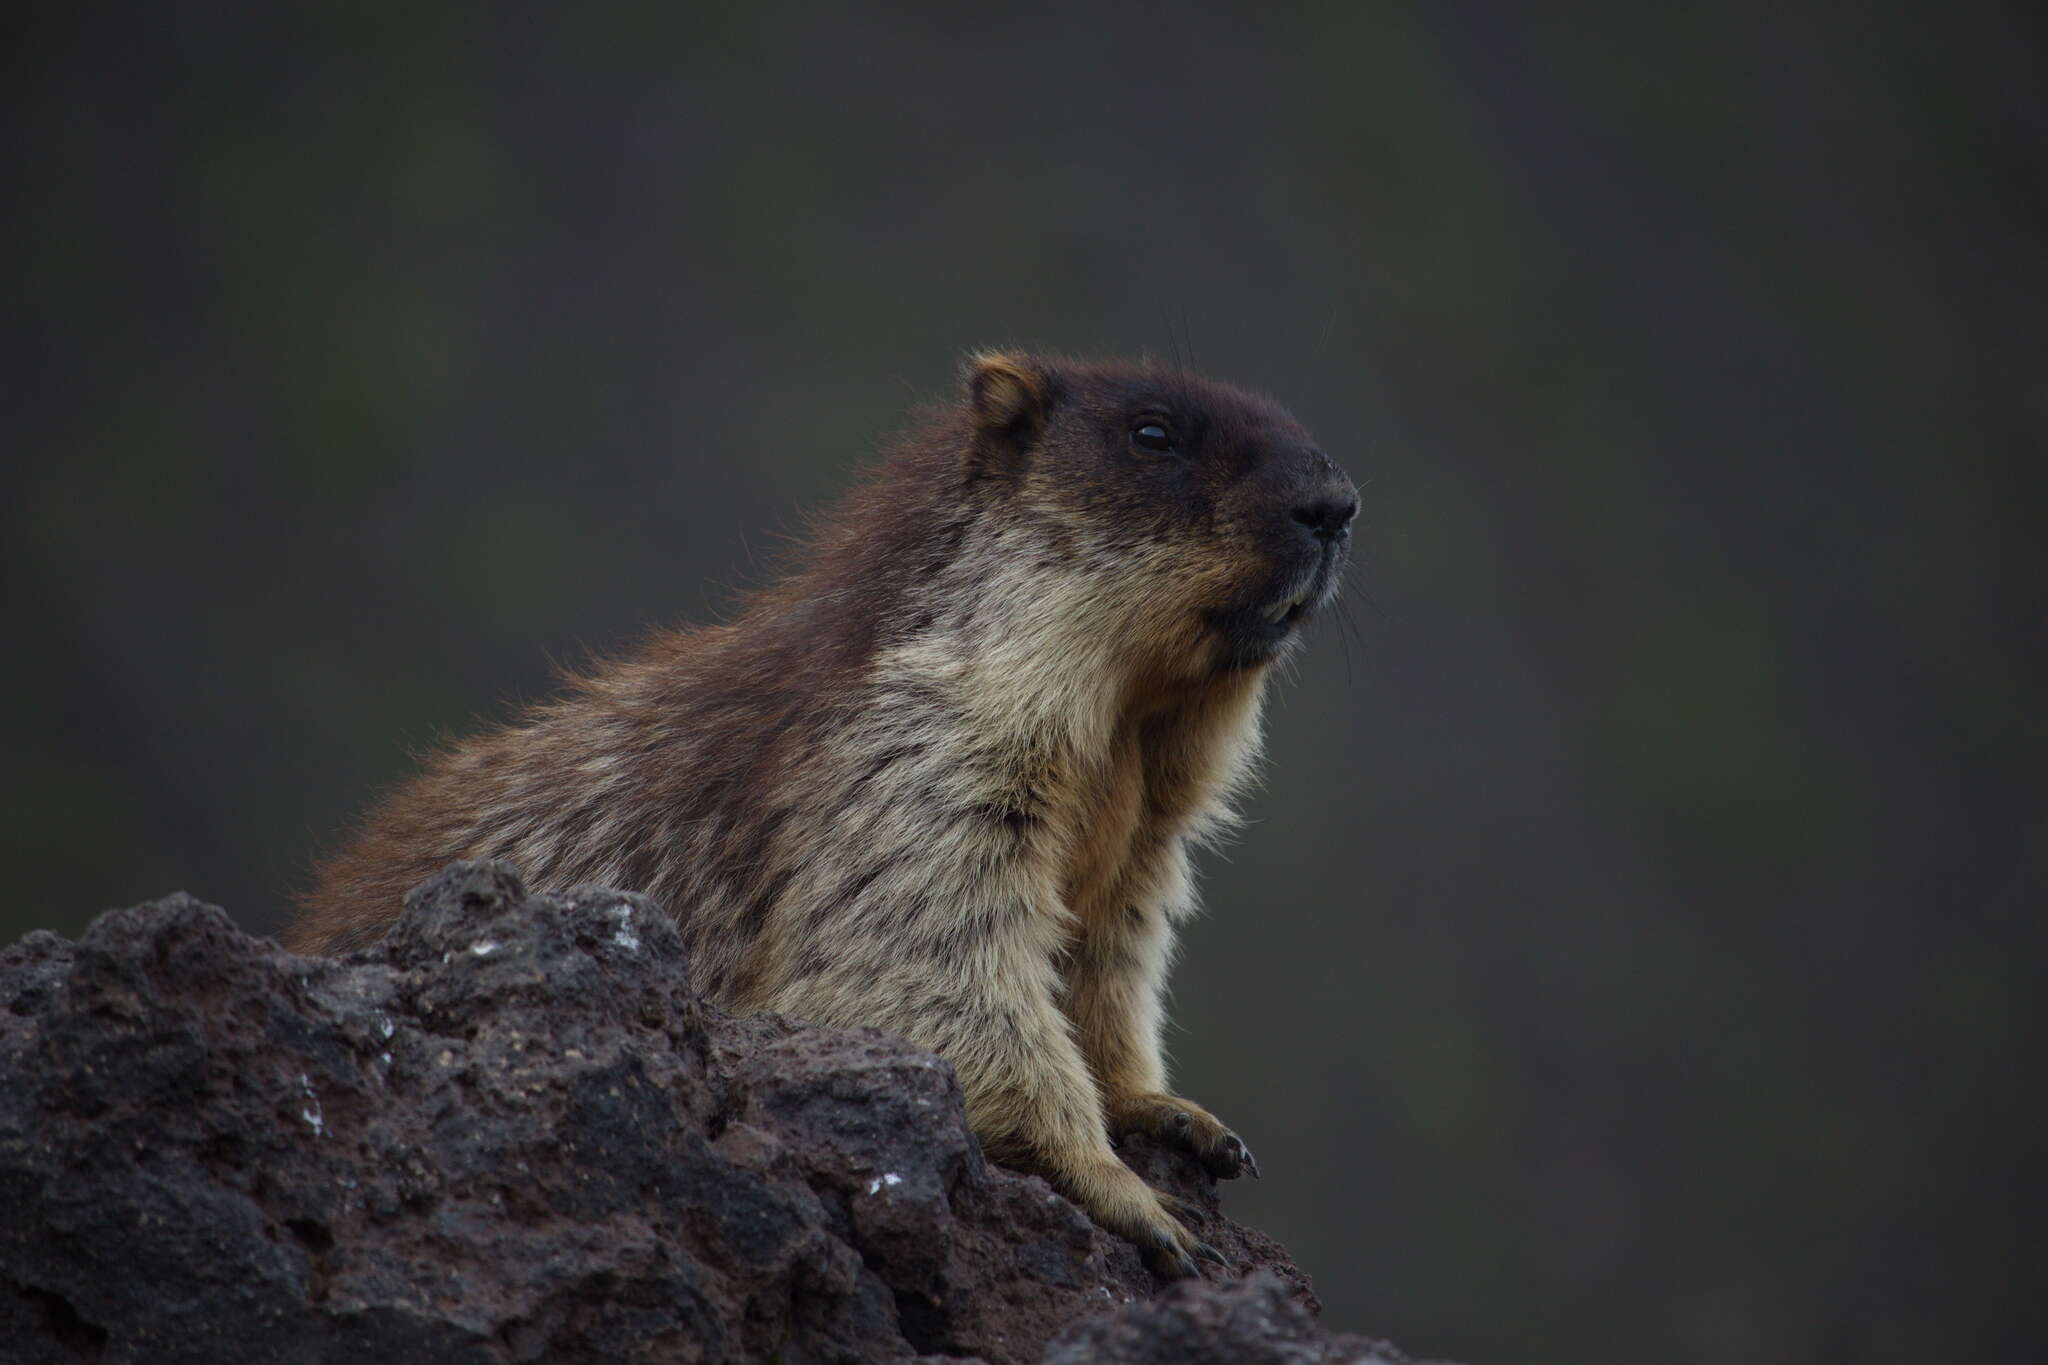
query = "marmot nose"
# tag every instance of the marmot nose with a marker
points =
(1328, 517)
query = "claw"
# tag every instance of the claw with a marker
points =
(1209, 1253)
(1171, 1263)
(1252, 1162)
(1229, 1158)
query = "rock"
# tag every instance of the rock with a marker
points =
(510, 1132)
(1259, 1319)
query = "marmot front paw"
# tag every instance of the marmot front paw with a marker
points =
(1154, 1222)
(1186, 1125)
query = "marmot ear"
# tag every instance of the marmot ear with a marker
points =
(1008, 393)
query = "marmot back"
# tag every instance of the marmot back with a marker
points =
(945, 779)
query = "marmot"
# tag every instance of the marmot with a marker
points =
(944, 779)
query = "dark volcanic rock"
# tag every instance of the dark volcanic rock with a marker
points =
(1256, 1320)
(511, 1133)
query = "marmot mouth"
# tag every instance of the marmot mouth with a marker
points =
(1294, 602)
(1289, 609)
(1256, 625)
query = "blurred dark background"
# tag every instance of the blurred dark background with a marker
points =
(1635, 949)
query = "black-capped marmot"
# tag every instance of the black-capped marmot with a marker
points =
(945, 778)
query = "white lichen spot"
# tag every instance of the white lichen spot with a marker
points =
(624, 935)
(311, 1112)
(886, 1178)
(483, 948)
(385, 1026)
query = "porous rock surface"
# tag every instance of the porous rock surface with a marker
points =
(510, 1132)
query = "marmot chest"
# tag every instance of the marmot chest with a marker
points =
(1110, 835)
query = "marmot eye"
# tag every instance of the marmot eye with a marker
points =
(1153, 436)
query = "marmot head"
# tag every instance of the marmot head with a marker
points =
(1205, 522)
